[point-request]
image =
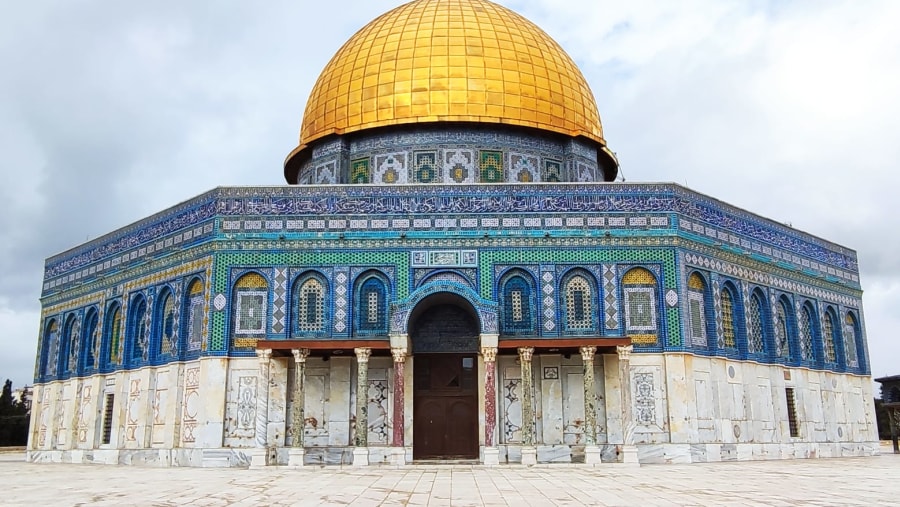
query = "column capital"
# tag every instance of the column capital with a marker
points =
(489, 354)
(399, 354)
(362, 354)
(264, 355)
(587, 353)
(300, 355)
(525, 353)
(624, 352)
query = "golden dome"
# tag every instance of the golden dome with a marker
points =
(451, 61)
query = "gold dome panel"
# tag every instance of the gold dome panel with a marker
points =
(450, 60)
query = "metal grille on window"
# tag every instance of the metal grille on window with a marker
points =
(755, 333)
(640, 312)
(115, 335)
(728, 319)
(781, 331)
(517, 305)
(252, 304)
(828, 338)
(107, 419)
(640, 301)
(850, 341)
(806, 335)
(372, 305)
(90, 338)
(578, 304)
(52, 344)
(311, 306)
(696, 308)
(195, 316)
(372, 300)
(167, 344)
(139, 330)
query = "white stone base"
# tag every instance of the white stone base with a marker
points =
(630, 455)
(398, 456)
(259, 457)
(295, 457)
(592, 455)
(361, 457)
(529, 456)
(491, 456)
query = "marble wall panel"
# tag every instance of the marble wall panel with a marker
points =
(510, 400)
(240, 407)
(317, 391)
(213, 374)
(340, 402)
(550, 411)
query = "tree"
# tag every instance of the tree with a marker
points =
(13, 418)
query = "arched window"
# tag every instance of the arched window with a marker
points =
(192, 318)
(371, 306)
(830, 336)
(807, 333)
(50, 352)
(639, 289)
(850, 341)
(251, 293)
(783, 329)
(756, 334)
(729, 318)
(309, 305)
(164, 335)
(517, 303)
(68, 346)
(697, 309)
(138, 338)
(112, 335)
(90, 340)
(578, 293)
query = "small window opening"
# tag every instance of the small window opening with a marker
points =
(107, 418)
(793, 424)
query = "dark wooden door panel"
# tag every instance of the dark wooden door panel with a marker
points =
(445, 409)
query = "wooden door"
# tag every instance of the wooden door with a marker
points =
(445, 406)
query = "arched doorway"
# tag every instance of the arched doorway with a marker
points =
(444, 332)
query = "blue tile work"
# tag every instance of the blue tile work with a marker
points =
(427, 238)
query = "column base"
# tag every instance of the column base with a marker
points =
(630, 455)
(592, 455)
(295, 457)
(491, 456)
(529, 456)
(361, 456)
(398, 456)
(259, 457)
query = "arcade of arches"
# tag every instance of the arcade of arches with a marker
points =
(445, 371)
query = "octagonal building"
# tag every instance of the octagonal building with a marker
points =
(451, 273)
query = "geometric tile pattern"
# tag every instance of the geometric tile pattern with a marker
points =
(610, 297)
(279, 300)
(341, 301)
(548, 300)
(717, 307)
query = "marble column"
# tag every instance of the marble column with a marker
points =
(298, 418)
(361, 452)
(529, 452)
(259, 455)
(591, 450)
(629, 451)
(491, 451)
(398, 453)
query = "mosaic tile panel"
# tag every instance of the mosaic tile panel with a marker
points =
(490, 166)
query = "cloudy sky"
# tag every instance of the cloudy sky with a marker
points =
(111, 111)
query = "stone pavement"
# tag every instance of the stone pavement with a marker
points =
(844, 481)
